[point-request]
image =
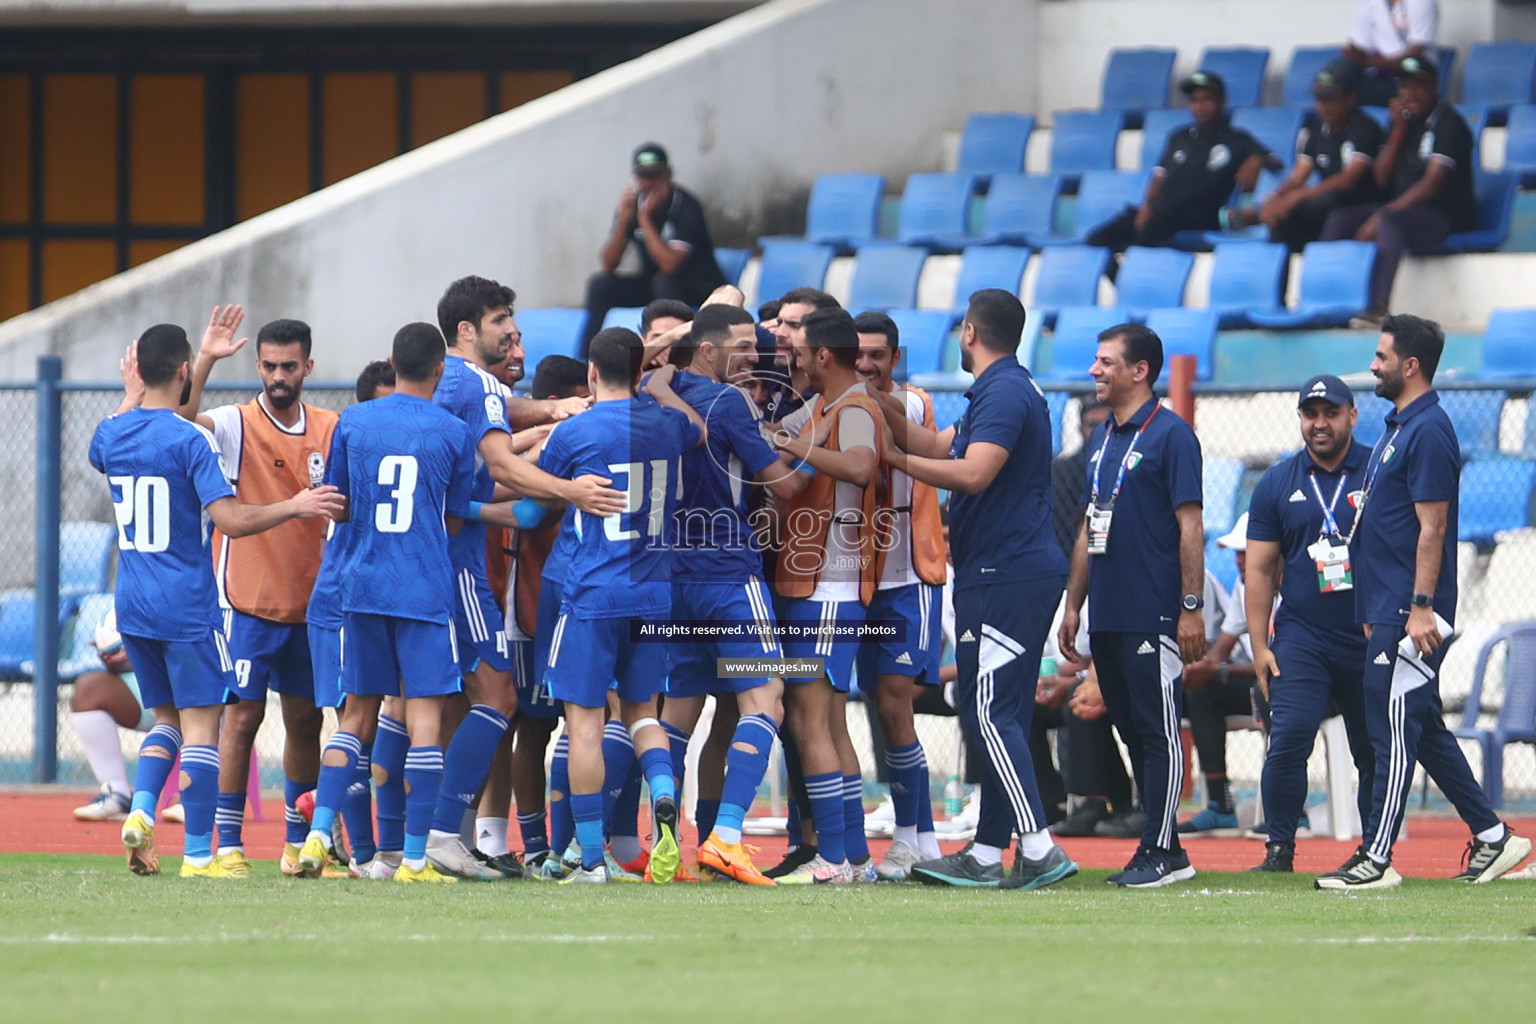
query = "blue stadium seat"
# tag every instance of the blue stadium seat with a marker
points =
(922, 334)
(1247, 276)
(1306, 62)
(1495, 495)
(1373, 410)
(623, 316)
(1017, 206)
(1445, 63)
(1516, 722)
(1075, 342)
(1083, 140)
(844, 209)
(1221, 562)
(1136, 80)
(1495, 213)
(1068, 275)
(1509, 344)
(885, 277)
(1189, 332)
(988, 266)
(77, 655)
(1056, 405)
(1477, 120)
(732, 262)
(1155, 129)
(1241, 68)
(1335, 285)
(1499, 76)
(1275, 128)
(85, 554)
(18, 612)
(1476, 416)
(548, 332)
(789, 265)
(1382, 116)
(1520, 144)
(994, 144)
(1222, 480)
(1101, 197)
(1152, 279)
(934, 209)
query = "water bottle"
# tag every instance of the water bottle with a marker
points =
(1047, 667)
(954, 797)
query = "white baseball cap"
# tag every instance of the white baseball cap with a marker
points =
(1237, 539)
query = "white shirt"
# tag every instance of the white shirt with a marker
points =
(229, 431)
(1388, 29)
(899, 570)
(840, 572)
(1236, 624)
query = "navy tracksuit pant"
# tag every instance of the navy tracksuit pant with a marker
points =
(1142, 679)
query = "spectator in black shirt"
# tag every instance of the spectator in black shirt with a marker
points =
(1338, 143)
(1069, 477)
(1425, 171)
(1193, 182)
(663, 224)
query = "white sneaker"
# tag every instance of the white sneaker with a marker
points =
(819, 871)
(880, 823)
(866, 872)
(587, 876)
(962, 827)
(897, 866)
(384, 865)
(1525, 874)
(109, 805)
(176, 814)
(449, 855)
(764, 826)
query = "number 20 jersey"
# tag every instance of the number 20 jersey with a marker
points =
(163, 471)
(404, 464)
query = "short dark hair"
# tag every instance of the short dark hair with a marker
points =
(470, 298)
(712, 324)
(161, 351)
(417, 352)
(814, 297)
(833, 329)
(674, 308)
(616, 352)
(377, 374)
(1416, 337)
(1142, 345)
(285, 332)
(878, 323)
(768, 311)
(558, 377)
(998, 317)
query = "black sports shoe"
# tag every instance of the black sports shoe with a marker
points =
(1158, 868)
(506, 863)
(1129, 825)
(802, 854)
(1278, 858)
(1483, 862)
(1360, 872)
(1136, 863)
(959, 869)
(1081, 821)
(1037, 874)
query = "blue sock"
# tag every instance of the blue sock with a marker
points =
(625, 819)
(357, 811)
(656, 765)
(587, 810)
(466, 765)
(618, 758)
(562, 824)
(854, 843)
(705, 814)
(152, 771)
(532, 827)
(423, 780)
(794, 827)
(200, 798)
(826, 793)
(678, 741)
(229, 818)
(296, 830)
(389, 748)
(909, 781)
(744, 770)
(334, 780)
(924, 798)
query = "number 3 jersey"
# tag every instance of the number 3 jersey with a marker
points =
(404, 464)
(621, 565)
(163, 471)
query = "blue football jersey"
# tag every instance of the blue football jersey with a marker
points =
(480, 401)
(714, 542)
(558, 564)
(620, 565)
(404, 464)
(163, 471)
(324, 609)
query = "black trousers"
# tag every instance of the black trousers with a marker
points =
(610, 291)
(1305, 224)
(1397, 232)
(1090, 759)
(1207, 709)
(1120, 233)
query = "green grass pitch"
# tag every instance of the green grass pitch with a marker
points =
(81, 939)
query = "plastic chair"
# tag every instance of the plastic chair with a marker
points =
(1241, 68)
(1509, 344)
(552, 331)
(922, 334)
(1068, 275)
(1101, 197)
(1245, 277)
(934, 209)
(1136, 80)
(788, 265)
(1221, 481)
(1499, 76)
(1075, 342)
(85, 557)
(1495, 213)
(731, 263)
(81, 656)
(994, 144)
(1221, 562)
(1152, 279)
(623, 316)
(1275, 128)
(1188, 332)
(1083, 140)
(1477, 120)
(18, 619)
(1516, 721)
(843, 210)
(988, 266)
(1445, 62)
(1475, 415)
(1155, 129)
(1306, 62)
(1520, 144)
(1335, 286)
(885, 277)
(1495, 496)
(1017, 207)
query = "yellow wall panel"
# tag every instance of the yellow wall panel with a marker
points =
(79, 149)
(15, 147)
(271, 142)
(166, 151)
(361, 123)
(143, 252)
(518, 87)
(13, 277)
(70, 266)
(443, 103)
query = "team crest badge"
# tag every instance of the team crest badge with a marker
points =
(316, 469)
(1219, 158)
(1356, 499)
(1133, 461)
(495, 413)
(1386, 455)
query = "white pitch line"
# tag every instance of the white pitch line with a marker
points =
(65, 939)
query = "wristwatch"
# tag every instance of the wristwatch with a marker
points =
(1192, 602)
(1423, 601)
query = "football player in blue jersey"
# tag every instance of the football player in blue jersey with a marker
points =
(164, 471)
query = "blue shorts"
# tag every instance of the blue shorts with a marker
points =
(533, 697)
(191, 674)
(694, 673)
(383, 656)
(839, 652)
(480, 624)
(544, 629)
(589, 657)
(921, 607)
(325, 656)
(268, 656)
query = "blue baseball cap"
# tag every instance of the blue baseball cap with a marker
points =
(1328, 388)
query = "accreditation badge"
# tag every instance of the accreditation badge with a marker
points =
(1334, 573)
(1099, 520)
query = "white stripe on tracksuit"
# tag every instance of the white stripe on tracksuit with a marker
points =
(1170, 669)
(469, 600)
(760, 614)
(985, 681)
(1398, 766)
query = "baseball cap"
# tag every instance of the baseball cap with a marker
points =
(1235, 539)
(1327, 387)
(1203, 80)
(1417, 67)
(1336, 79)
(650, 158)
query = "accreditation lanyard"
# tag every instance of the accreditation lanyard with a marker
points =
(1125, 461)
(1378, 456)
(1330, 524)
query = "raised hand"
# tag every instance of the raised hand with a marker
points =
(218, 339)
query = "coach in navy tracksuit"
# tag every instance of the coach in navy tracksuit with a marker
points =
(1301, 520)
(1404, 560)
(1140, 561)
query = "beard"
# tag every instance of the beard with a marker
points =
(283, 399)
(186, 391)
(965, 361)
(1389, 386)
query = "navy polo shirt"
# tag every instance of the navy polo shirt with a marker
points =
(1285, 510)
(1417, 459)
(1003, 534)
(1136, 586)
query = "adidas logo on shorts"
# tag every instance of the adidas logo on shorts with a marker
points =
(903, 658)
(967, 637)
(1296, 495)
(1382, 659)
(1145, 648)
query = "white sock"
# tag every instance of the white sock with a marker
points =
(324, 837)
(986, 855)
(491, 836)
(414, 863)
(625, 848)
(440, 834)
(906, 834)
(1036, 844)
(928, 846)
(98, 735)
(198, 862)
(1491, 835)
